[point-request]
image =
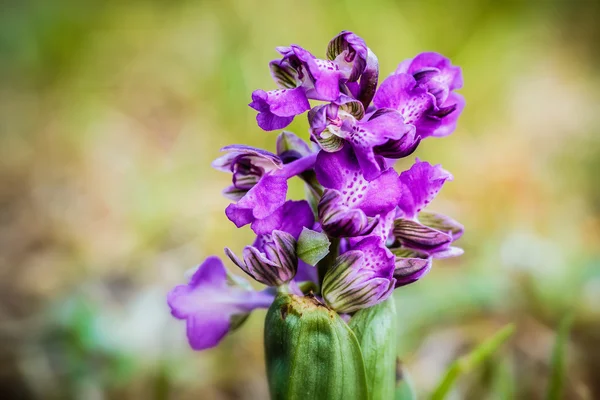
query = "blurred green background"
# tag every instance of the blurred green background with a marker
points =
(111, 111)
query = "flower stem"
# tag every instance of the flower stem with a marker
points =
(324, 265)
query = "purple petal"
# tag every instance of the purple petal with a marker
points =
(449, 252)
(238, 215)
(409, 270)
(419, 185)
(361, 277)
(417, 236)
(448, 75)
(265, 197)
(339, 220)
(277, 108)
(306, 272)
(208, 302)
(447, 124)
(347, 48)
(326, 76)
(377, 257)
(341, 171)
(256, 156)
(402, 93)
(290, 147)
(207, 329)
(442, 223)
(291, 218)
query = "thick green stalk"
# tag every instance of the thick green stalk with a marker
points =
(311, 353)
(376, 329)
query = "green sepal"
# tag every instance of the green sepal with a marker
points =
(376, 329)
(311, 353)
(312, 246)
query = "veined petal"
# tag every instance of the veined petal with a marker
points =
(284, 74)
(442, 223)
(290, 147)
(353, 52)
(274, 263)
(258, 157)
(339, 220)
(414, 235)
(360, 278)
(410, 266)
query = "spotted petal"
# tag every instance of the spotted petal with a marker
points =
(419, 185)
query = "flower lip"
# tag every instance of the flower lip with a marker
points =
(209, 302)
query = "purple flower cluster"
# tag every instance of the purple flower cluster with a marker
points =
(373, 217)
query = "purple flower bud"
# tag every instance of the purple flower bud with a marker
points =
(415, 235)
(352, 55)
(272, 261)
(410, 266)
(360, 278)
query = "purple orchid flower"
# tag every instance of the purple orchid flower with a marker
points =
(382, 132)
(422, 90)
(425, 232)
(259, 181)
(301, 76)
(351, 68)
(351, 205)
(211, 301)
(361, 277)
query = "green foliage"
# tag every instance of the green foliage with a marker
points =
(467, 363)
(558, 361)
(312, 246)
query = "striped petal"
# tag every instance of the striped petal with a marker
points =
(414, 235)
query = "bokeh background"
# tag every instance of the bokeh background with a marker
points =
(111, 111)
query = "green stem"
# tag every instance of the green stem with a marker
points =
(324, 265)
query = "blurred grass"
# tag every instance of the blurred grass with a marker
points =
(110, 113)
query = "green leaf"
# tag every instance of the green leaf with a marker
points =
(311, 353)
(404, 386)
(468, 362)
(312, 246)
(558, 362)
(376, 329)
